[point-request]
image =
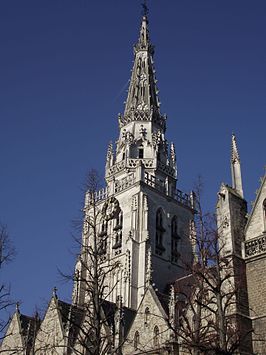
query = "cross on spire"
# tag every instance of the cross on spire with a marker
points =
(145, 8)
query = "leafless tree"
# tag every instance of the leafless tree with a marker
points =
(93, 330)
(209, 299)
(7, 253)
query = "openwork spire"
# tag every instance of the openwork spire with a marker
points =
(142, 102)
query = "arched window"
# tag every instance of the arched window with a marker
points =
(141, 152)
(136, 340)
(156, 337)
(147, 316)
(159, 248)
(264, 214)
(174, 240)
(118, 230)
(103, 237)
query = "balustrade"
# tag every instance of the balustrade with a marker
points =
(255, 246)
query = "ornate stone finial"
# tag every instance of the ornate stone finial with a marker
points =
(236, 168)
(149, 267)
(110, 156)
(172, 307)
(173, 154)
(17, 307)
(55, 292)
(193, 239)
(234, 154)
(145, 8)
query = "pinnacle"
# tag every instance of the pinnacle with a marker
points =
(235, 155)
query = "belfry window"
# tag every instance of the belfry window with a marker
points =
(141, 152)
(174, 240)
(159, 248)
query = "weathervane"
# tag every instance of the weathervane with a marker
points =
(145, 8)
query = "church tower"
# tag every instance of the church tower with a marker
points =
(143, 218)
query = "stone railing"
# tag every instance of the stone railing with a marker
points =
(182, 198)
(167, 169)
(147, 163)
(133, 163)
(123, 184)
(255, 246)
(100, 195)
(154, 182)
(142, 176)
(117, 167)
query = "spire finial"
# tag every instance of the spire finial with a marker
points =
(236, 168)
(235, 155)
(55, 292)
(17, 307)
(145, 8)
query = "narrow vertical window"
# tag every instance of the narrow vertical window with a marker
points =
(118, 231)
(174, 240)
(136, 340)
(141, 152)
(147, 316)
(156, 337)
(159, 248)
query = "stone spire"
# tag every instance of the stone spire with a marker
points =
(236, 168)
(142, 102)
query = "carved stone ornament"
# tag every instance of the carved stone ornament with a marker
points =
(110, 209)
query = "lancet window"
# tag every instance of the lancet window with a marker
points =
(156, 333)
(136, 340)
(159, 248)
(147, 316)
(141, 152)
(118, 231)
(103, 237)
(174, 240)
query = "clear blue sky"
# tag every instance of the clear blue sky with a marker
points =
(64, 66)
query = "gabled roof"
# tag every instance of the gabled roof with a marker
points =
(29, 327)
(263, 183)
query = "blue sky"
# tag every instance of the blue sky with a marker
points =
(64, 69)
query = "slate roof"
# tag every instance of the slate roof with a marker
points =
(29, 328)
